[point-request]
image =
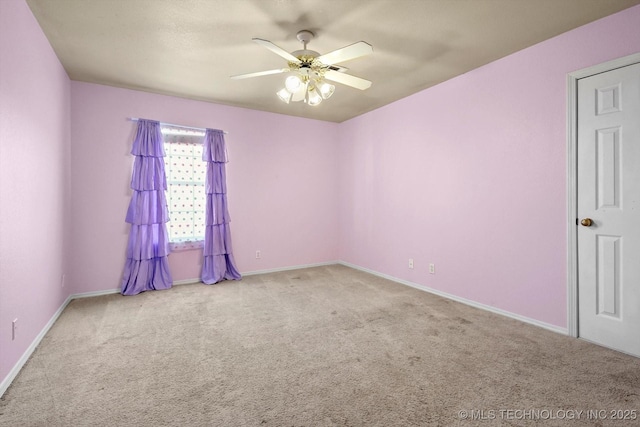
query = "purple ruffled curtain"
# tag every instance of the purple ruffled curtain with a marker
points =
(218, 262)
(146, 267)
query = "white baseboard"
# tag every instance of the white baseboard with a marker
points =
(117, 290)
(187, 282)
(95, 293)
(293, 267)
(18, 366)
(475, 304)
(6, 382)
(254, 272)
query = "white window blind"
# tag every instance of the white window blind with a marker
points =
(186, 174)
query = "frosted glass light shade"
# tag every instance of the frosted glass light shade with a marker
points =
(292, 84)
(314, 97)
(326, 90)
(300, 93)
(284, 95)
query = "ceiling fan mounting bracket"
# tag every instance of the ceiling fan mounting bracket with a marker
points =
(305, 36)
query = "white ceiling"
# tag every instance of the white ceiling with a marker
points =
(189, 48)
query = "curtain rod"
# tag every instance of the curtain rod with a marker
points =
(135, 119)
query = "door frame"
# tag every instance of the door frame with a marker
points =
(573, 328)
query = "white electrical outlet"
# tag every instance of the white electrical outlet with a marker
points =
(258, 255)
(432, 269)
(14, 329)
(62, 280)
(410, 262)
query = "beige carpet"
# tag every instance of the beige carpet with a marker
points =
(325, 346)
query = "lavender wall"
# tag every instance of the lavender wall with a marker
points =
(281, 180)
(34, 173)
(471, 175)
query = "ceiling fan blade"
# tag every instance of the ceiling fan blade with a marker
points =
(338, 68)
(347, 79)
(277, 50)
(352, 51)
(259, 73)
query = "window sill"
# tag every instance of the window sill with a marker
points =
(186, 246)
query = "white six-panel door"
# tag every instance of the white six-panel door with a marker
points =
(608, 206)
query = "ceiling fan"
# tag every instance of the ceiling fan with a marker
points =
(310, 70)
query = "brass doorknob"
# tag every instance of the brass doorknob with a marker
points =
(586, 222)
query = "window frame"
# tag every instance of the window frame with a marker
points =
(172, 137)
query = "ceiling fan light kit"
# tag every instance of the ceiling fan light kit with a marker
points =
(284, 95)
(311, 70)
(292, 84)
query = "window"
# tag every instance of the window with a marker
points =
(186, 174)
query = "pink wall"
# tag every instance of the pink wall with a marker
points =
(281, 180)
(34, 174)
(471, 175)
